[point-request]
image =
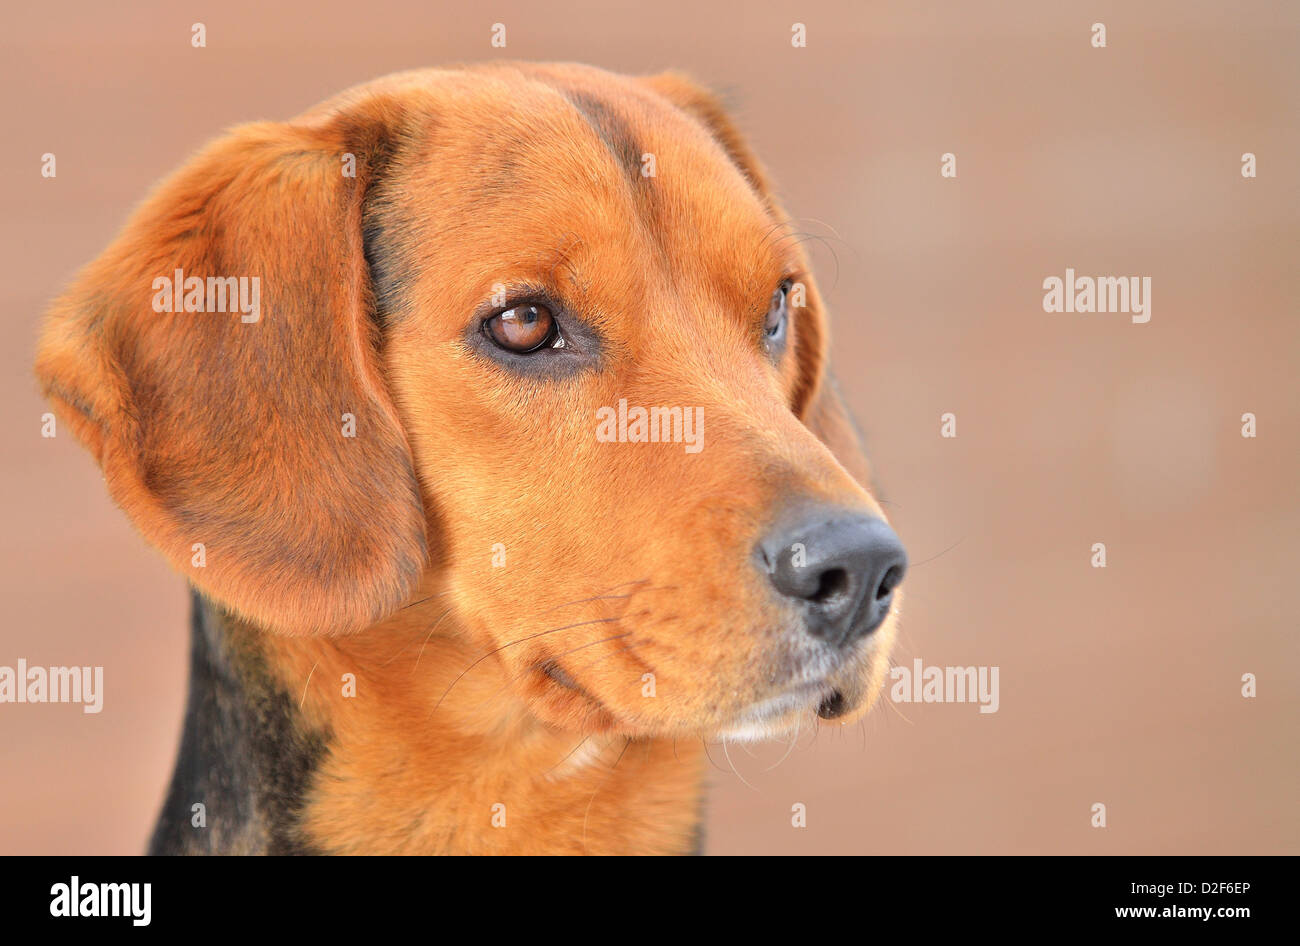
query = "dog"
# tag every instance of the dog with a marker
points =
(348, 374)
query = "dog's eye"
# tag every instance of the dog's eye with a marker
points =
(777, 315)
(523, 329)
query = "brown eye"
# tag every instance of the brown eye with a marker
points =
(523, 329)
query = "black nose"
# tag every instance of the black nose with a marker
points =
(841, 567)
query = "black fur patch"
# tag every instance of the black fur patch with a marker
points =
(245, 755)
(611, 129)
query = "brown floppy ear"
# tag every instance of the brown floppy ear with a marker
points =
(256, 447)
(817, 399)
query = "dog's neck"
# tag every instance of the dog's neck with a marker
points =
(376, 743)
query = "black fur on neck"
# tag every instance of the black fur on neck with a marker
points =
(246, 753)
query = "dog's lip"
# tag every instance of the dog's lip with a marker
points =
(801, 696)
(814, 688)
(829, 699)
(833, 706)
(556, 673)
(570, 689)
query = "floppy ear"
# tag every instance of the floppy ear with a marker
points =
(816, 399)
(256, 447)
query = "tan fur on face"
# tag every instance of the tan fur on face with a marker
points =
(373, 556)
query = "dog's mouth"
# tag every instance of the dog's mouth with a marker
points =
(830, 695)
(575, 703)
(775, 716)
(556, 673)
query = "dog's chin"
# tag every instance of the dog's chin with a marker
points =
(840, 698)
(787, 714)
(837, 690)
(778, 716)
(568, 706)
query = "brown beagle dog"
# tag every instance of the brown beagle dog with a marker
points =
(486, 410)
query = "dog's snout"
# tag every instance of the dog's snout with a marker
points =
(840, 567)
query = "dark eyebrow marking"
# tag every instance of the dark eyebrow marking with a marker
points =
(611, 128)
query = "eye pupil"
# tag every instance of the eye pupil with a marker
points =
(524, 328)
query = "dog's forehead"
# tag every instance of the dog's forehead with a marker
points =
(555, 117)
(589, 163)
(601, 137)
(589, 109)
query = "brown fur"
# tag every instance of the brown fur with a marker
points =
(372, 556)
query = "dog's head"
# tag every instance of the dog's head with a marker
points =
(538, 337)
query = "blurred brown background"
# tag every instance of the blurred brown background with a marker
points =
(1118, 685)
